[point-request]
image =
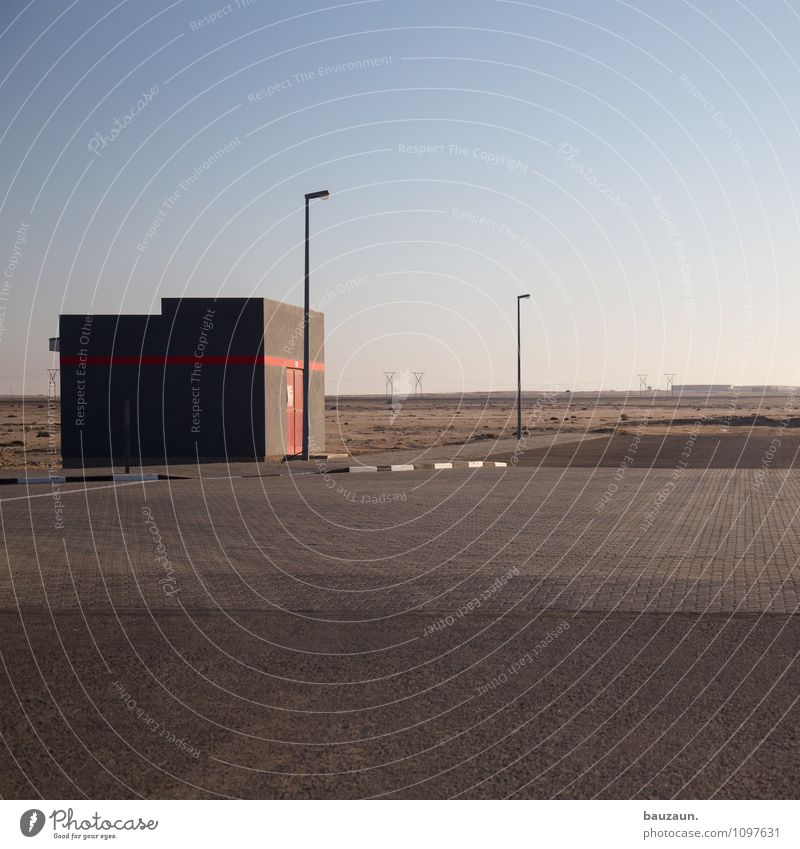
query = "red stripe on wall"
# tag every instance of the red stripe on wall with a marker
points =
(285, 362)
(182, 360)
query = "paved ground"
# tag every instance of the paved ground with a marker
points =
(617, 706)
(532, 631)
(774, 449)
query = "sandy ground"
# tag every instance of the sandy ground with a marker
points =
(29, 428)
(29, 433)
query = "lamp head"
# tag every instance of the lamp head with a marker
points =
(321, 195)
(520, 297)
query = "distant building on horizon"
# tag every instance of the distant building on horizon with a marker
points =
(728, 387)
(209, 379)
(701, 387)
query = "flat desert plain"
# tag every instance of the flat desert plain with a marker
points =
(357, 425)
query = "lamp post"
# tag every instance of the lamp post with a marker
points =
(519, 372)
(322, 195)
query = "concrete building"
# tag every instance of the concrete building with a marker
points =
(209, 378)
(705, 388)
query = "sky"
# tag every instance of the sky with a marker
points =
(631, 165)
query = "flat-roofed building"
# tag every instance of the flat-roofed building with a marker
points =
(208, 379)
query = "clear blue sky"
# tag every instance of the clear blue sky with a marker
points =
(633, 166)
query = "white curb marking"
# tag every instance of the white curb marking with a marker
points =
(42, 480)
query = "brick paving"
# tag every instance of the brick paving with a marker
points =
(366, 547)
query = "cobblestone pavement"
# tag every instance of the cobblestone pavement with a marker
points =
(367, 547)
(528, 632)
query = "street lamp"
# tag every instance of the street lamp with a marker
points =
(519, 372)
(321, 195)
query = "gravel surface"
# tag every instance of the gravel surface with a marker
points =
(271, 705)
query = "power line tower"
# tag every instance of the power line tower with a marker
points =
(389, 375)
(52, 372)
(418, 375)
(670, 380)
(642, 384)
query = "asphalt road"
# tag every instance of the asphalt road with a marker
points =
(772, 450)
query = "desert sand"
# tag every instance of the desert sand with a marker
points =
(29, 427)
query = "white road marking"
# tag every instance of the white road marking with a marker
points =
(70, 491)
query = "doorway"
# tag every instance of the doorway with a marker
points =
(294, 411)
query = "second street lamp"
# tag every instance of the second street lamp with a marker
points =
(321, 195)
(519, 372)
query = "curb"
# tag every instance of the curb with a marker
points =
(82, 479)
(130, 478)
(419, 467)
